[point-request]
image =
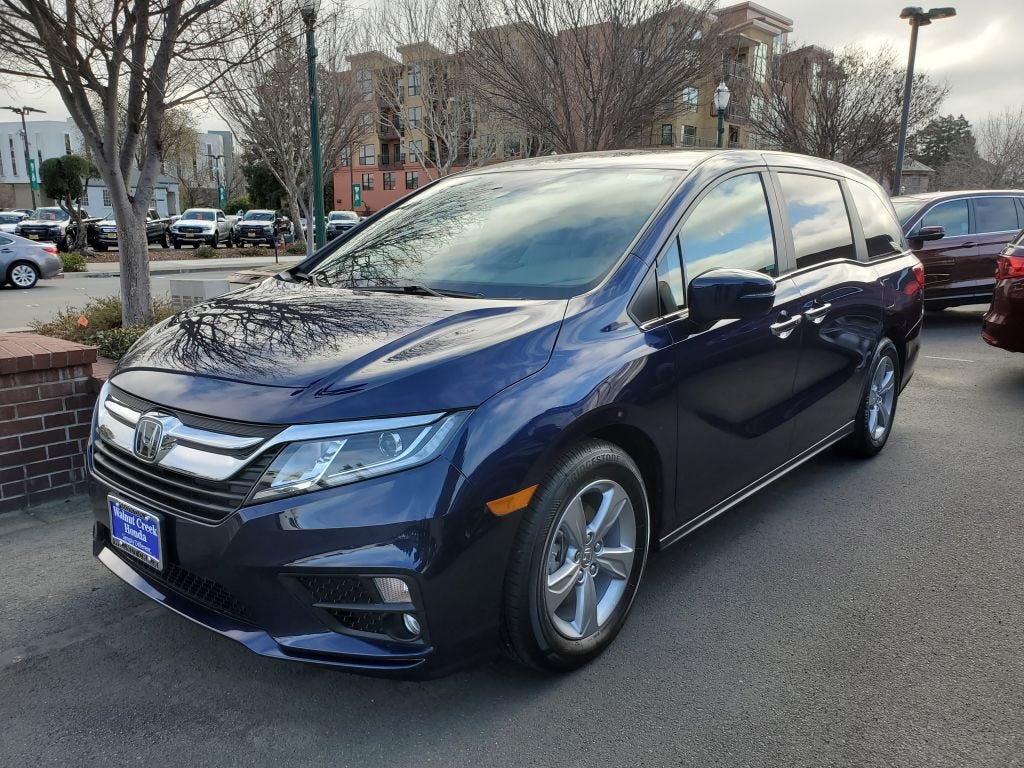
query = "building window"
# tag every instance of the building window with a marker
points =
(734, 136)
(366, 154)
(666, 134)
(415, 149)
(367, 181)
(689, 99)
(412, 180)
(14, 156)
(389, 180)
(415, 117)
(67, 143)
(415, 72)
(689, 136)
(106, 198)
(384, 154)
(364, 83)
(346, 156)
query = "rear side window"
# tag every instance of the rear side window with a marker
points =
(818, 219)
(730, 228)
(882, 231)
(994, 214)
(950, 215)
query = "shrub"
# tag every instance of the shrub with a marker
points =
(100, 316)
(206, 252)
(298, 247)
(73, 261)
(117, 341)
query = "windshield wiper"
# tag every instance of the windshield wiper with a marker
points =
(422, 290)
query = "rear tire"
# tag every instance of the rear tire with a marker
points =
(23, 275)
(877, 409)
(577, 560)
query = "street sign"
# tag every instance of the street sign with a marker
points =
(33, 177)
(357, 195)
(223, 197)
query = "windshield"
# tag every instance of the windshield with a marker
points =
(342, 216)
(258, 216)
(50, 214)
(905, 209)
(514, 234)
(199, 215)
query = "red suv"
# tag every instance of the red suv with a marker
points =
(1004, 322)
(958, 236)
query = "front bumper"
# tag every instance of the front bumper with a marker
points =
(243, 577)
(42, 236)
(259, 236)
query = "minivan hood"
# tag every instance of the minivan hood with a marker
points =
(346, 353)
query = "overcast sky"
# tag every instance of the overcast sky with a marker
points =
(977, 52)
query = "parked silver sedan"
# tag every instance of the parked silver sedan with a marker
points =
(24, 262)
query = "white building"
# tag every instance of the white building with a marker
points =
(52, 138)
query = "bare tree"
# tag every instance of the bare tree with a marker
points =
(587, 74)
(841, 105)
(266, 102)
(1001, 146)
(429, 100)
(119, 66)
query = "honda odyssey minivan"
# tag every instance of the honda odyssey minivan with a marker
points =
(465, 424)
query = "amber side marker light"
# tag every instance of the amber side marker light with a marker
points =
(513, 503)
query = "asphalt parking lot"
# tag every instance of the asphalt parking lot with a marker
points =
(854, 614)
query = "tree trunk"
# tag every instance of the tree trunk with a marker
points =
(136, 295)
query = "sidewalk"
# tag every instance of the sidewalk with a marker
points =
(177, 266)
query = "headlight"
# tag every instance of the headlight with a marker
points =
(312, 465)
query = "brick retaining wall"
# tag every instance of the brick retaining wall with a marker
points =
(46, 401)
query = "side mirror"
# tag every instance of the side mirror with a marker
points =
(730, 294)
(929, 233)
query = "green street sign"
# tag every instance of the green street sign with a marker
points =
(33, 177)
(223, 197)
(357, 195)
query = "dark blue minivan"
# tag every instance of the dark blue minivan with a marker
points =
(464, 424)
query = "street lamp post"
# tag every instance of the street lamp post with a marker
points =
(216, 169)
(721, 104)
(918, 18)
(308, 9)
(22, 111)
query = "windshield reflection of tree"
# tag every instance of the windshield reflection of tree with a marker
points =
(388, 252)
(259, 331)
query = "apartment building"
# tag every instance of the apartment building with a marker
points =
(391, 156)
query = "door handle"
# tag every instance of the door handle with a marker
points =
(967, 245)
(817, 314)
(784, 328)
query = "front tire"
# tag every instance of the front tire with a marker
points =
(23, 275)
(578, 559)
(877, 409)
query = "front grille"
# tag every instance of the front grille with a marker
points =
(174, 492)
(191, 229)
(206, 592)
(339, 589)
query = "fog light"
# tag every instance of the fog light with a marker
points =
(393, 590)
(412, 624)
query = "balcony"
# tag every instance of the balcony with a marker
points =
(391, 165)
(390, 132)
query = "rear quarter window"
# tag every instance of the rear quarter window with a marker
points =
(994, 214)
(882, 232)
(818, 219)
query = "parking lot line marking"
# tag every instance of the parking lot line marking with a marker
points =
(953, 359)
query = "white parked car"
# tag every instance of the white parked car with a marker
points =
(203, 226)
(10, 219)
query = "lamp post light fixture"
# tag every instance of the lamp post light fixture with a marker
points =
(721, 104)
(22, 111)
(216, 168)
(917, 17)
(308, 8)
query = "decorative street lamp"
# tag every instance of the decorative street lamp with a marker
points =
(308, 9)
(30, 170)
(721, 104)
(917, 18)
(220, 187)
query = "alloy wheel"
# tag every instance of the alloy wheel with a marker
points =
(590, 559)
(881, 397)
(24, 275)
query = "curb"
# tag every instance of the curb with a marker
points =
(178, 270)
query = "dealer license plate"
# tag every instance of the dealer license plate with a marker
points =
(33, 237)
(136, 532)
